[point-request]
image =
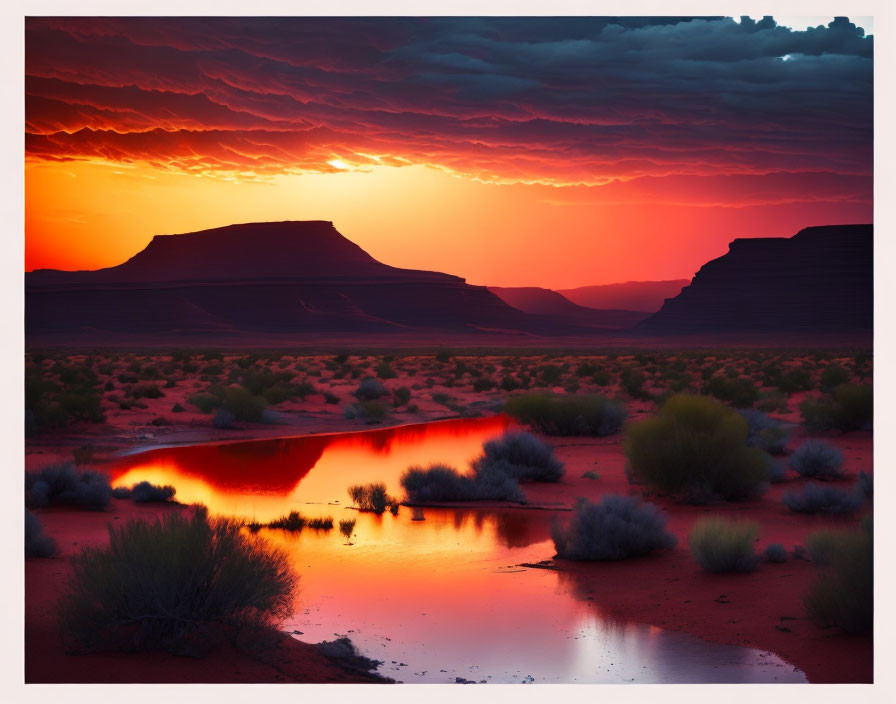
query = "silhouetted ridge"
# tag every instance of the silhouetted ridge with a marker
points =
(260, 278)
(819, 280)
(311, 249)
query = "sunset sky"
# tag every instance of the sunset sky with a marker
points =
(553, 152)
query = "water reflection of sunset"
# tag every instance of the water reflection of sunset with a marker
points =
(264, 479)
(445, 594)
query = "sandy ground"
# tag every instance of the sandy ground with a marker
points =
(46, 660)
(761, 610)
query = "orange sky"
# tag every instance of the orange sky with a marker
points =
(509, 152)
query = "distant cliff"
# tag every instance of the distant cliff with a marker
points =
(245, 281)
(642, 296)
(544, 301)
(819, 280)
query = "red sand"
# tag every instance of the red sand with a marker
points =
(760, 610)
(46, 660)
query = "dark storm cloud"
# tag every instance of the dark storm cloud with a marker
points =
(559, 100)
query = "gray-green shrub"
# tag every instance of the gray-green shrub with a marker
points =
(722, 545)
(695, 449)
(585, 414)
(617, 528)
(181, 584)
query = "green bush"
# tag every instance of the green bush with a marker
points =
(206, 403)
(371, 411)
(849, 407)
(696, 449)
(833, 376)
(843, 594)
(739, 392)
(146, 391)
(181, 584)
(795, 379)
(632, 381)
(721, 545)
(243, 405)
(587, 414)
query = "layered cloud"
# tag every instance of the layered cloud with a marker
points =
(659, 105)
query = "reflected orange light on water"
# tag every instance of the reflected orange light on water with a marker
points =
(265, 479)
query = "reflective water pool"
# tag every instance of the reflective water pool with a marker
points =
(435, 594)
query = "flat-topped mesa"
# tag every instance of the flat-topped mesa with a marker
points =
(312, 249)
(819, 280)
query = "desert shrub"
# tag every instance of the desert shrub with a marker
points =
(371, 497)
(772, 401)
(223, 419)
(439, 482)
(822, 498)
(370, 389)
(843, 594)
(764, 432)
(371, 411)
(795, 379)
(442, 398)
(832, 376)
(483, 383)
(206, 403)
(616, 528)
(601, 378)
(855, 406)
(178, 584)
(722, 545)
(401, 396)
(146, 391)
(849, 407)
(144, 492)
(740, 392)
(282, 391)
(590, 475)
(384, 371)
(817, 459)
(160, 421)
(330, 397)
(444, 356)
(244, 405)
(587, 414)
(632, 380)
(508, 383)
(522, 456)
(820, 546)
(695, 448)
(177, 408)
(62, 485)
(775, 552)
(37, 543)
